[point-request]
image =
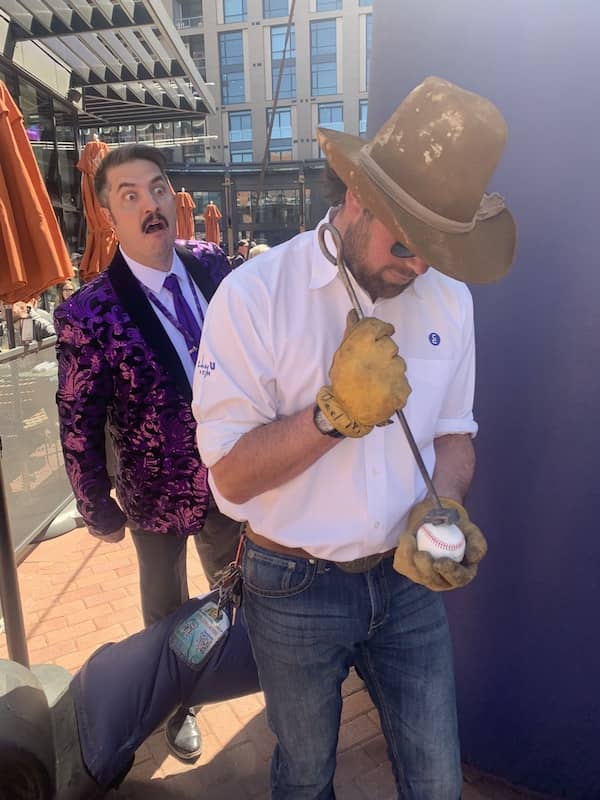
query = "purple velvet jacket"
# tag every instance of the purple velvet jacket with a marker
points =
(117, 365)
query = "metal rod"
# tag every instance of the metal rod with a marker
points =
(338, 260)
(9, 586)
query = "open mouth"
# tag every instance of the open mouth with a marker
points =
(155, 225)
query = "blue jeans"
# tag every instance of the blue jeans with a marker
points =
(308, 623)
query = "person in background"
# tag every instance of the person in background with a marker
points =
(65, 290)
(241, 254)
(257, 250)
(293, 423)
(41, 327)
(127, 344)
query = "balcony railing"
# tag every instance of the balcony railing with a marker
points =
(188, 22)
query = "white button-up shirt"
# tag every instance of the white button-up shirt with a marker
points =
(269, 337)
(154, 280)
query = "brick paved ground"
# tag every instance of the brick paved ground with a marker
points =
(78, 593)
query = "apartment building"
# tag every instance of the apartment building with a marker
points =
(239, 47)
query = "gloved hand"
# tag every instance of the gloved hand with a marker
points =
(439, 574)
(368, 381)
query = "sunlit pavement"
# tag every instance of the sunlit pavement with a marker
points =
(79, 593)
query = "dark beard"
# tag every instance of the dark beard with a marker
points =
(355, 241)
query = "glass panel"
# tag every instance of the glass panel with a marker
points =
(194, 150)
(366, 2)
(36, 108)
(288, 78)
(240, 137)
(231, 50)
(368, 37)
(187, 13)
(145, 133)
(197, 52)
(323, 57)
(363, 107)
(234, 10)
(329, 5)
(69, 176)
(35, 481)
(275, 8)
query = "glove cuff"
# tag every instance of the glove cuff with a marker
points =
(336, 415)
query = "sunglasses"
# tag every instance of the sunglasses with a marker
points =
(399, 250)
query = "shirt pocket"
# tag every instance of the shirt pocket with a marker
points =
(429, 379)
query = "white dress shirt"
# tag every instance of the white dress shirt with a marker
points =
(286, 313)
(154, 280)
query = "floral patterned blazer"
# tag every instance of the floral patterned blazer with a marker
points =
(117, 367)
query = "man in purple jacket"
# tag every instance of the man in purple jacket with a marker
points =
(127, 345)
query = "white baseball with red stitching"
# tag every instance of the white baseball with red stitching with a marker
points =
(441, 541)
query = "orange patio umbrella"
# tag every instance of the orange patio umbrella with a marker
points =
(185, 215)
(101, 242)
(212, 215)
(33, 255)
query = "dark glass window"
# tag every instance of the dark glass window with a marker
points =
(323, 57)
(231, 52)
(288, 78)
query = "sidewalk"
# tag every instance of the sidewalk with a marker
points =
(79, 593)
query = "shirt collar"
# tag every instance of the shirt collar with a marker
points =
(152, 278)
(323, 272)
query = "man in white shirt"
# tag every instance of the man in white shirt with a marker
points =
(304, 454)
(127, 345)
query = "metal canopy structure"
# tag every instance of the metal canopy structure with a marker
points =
(126, 57)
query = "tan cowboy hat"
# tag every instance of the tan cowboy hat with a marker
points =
(424, 174)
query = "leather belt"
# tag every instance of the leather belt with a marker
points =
(363, 564)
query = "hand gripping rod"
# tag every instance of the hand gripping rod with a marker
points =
(438, 515)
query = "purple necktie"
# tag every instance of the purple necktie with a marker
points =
(183, 312)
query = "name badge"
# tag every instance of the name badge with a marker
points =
(195, 637)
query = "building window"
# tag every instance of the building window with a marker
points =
(280, 146)
(187, 13)
(231, 52)
(368, 35)
(331, 115)
(363, 107)
(240, 137)
(329, 5)
(234, 11)
(323, 57)
(275, 8)
(288, 78)
(196, 47)
(365, 2)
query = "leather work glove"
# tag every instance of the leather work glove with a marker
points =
(439, 574)
(368, 380)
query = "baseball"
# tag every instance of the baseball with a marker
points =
(441, 541)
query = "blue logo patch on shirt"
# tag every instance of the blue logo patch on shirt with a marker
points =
(434, 338)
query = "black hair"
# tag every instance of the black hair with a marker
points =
(123, 155)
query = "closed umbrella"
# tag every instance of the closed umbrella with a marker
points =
(212, 215)
(185, 215)
(33, 255)
(101, 242)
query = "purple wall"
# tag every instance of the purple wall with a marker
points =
(526, 632)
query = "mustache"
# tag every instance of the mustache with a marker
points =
(151, 219)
